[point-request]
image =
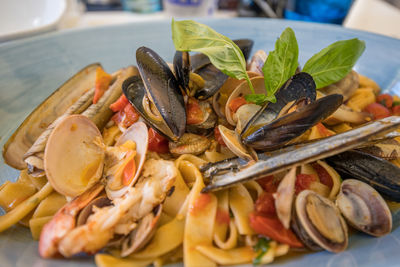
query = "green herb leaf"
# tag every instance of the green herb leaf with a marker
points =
(223, 53)
(334, 62)
(281, 63)
(259, 99)
(261, 247)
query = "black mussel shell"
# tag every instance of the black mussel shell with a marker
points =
(163, 88)
(182, 68)
(378, 173)
(299, 86)
(292, 125)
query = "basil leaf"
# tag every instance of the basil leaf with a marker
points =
(258, 99)
(281, 64)
(223, 53)
(334, 62)
(261, 247)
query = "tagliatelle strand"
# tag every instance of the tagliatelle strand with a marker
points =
(242, 205)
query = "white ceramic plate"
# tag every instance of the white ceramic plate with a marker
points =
(21, 18)
(32, 68)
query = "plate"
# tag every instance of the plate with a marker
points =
(29, 17)
(31, 69)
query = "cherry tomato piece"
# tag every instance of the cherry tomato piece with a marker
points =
(323, 131)
(385, 100)
(193, 112)
(324, 176)
(265, 205)
(157, 142)
(120, 104)
(131, 115)
(396, 110)
(218, 137)
(129, 172)
(268, 183)
(273, 228)
(236, 103)
(303, 182)
(377, 110)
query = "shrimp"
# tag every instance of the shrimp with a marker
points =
(153, 186)
(64, 221)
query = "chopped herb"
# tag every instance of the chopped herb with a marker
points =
(261, 248)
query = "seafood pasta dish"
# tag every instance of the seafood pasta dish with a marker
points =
(224, 156)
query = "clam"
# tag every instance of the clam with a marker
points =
(345, 87)
(158, 91)
(53, 107)
(74, 158)
(382, 175)
(257, 62)
(138, 134)
(98, 202)
(364, 208)
(143, 233)
(240, 91)
(232, 141)
(318, 223)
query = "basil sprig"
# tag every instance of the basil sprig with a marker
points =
(281, 63)
(223, 53)
(261, 248)
(334, 62)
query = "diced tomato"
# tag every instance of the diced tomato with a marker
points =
(236, 103)
(324, 176)
(396, 110)
(222, 217)
(303, 182)
(157, 142)
(218, 137)
(120, 104)
(377, 110)
(265, 205)
(131, 115)
(385, 100)
(101, 84)
(323, 131)
(193, 112)
(200, 203)
(117, 117)
(273, 228)
(129, 172)
(268, 183)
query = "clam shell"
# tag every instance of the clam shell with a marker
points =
(43, 115)
(138, 133)
(72, 161)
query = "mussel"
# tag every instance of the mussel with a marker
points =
(318, 223)
(364, 208)
(162, 101)
(292, 125)
(382, 175)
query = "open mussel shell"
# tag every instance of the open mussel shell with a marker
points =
(318, 223)
(43, 115)
(73, 161)
(292, 125)
(162, 90)
(382, 175)
(364, 208)
(300, 86)
(213, 77)
(137, 133)
(143, 233)
(181, 63)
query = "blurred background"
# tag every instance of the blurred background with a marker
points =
(21, 18)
